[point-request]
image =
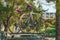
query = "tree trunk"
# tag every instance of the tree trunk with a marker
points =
(58, 20)
(6, 23)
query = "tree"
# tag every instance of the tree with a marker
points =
(6, 13)
(58, 20)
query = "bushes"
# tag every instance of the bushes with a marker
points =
(50, 33)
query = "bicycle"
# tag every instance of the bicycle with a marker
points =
(29, 21)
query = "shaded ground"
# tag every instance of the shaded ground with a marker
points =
(51, 38)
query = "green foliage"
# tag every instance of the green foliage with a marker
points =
(53, 26)
(8, 13)
(50, 32)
